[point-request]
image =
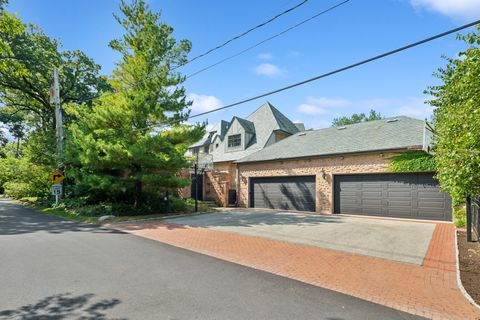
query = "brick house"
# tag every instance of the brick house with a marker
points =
(229, 141)
(345, 170)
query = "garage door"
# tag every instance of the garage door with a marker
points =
(287, 193)
(392, 195)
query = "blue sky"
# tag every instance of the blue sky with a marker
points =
(356, 30)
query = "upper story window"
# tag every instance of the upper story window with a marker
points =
(234, 140)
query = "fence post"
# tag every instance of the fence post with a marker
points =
(469, 219)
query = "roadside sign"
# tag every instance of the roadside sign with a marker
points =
(56, 189)
(56, 177)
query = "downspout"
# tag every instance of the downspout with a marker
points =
(237, 183)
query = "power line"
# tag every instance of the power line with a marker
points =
(324, 75)
(268, 39)
(246, 32)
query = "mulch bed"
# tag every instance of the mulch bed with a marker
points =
(469, 258)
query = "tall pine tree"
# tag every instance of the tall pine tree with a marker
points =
(116, 149)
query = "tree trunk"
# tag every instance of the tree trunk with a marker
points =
(138, 193)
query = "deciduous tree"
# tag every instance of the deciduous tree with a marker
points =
(457, 118)
(356, 118)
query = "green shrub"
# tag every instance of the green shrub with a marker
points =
(21, 178)
(95, 210)
(414, 161)
(178, 205)
(460, 216)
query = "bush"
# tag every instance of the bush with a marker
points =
(178, 205)
(460, 215)
(414, 161)
(21, 178)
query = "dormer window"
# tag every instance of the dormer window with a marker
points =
(234, 140)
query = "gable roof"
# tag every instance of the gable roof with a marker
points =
(387, 134)
(262, 122)
(247, 125)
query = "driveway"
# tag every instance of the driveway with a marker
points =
(402, 241)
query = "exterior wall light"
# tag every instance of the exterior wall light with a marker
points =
(324, 175)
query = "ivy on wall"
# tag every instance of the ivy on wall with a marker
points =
(414, 161)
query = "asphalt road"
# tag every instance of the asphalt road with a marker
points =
(51, 268)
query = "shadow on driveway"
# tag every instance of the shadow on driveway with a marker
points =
(255, 218)
(62, 306)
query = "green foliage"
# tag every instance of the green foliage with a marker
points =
(457, 118)
(27, 60)
(460, 216)
(21, 178)
(414, 161)
(356, 118)
(116, 151)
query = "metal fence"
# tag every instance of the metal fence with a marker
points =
(473, 211)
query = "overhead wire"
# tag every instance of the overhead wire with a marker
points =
(245, 33)
(351, 66)
(323, 75)
(268, 39)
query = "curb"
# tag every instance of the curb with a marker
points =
(459, 280)
(177, 216)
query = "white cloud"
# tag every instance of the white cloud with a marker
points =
(203, 103)
(416, 108)
(328, 102)
(265, 56)
(311, 110)
(321, 105)
(294, 54)
(269, 70)
(458, 9)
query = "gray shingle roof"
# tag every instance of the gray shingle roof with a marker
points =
(284, 123)
(387, 134)
(265, 120)
(247, 125)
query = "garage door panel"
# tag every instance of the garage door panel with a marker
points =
(397, 203)
(396, 195)
(371, 210)
(371, 202)
(431, 206)
(288, 193)
(430, 195)
(399, 193)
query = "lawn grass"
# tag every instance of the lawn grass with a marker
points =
(70, 215)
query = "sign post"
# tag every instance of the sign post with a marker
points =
(57, 191)
(57, 188)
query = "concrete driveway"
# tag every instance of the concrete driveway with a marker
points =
(402, 241)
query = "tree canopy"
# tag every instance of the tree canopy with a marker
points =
(457, 118)
(27, 60)
(356, 118)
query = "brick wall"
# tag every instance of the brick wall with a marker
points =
(219, 181)
(365, 163)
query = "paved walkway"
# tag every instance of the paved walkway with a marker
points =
(429, 290)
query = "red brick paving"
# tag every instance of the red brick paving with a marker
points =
(429, 290)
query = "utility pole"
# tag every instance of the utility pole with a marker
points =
(195, 172)
(55, 100)
(58, 116)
